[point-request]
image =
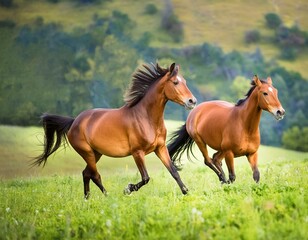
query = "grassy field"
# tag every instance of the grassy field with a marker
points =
(48, 203)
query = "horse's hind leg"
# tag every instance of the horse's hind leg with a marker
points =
(86, 182)
(217, 160)
(208, 161)
(139, 160)
(90, 172)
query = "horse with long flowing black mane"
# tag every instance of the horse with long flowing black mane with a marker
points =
(136, 129)
(231, 130)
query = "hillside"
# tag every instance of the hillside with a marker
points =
(223, 23)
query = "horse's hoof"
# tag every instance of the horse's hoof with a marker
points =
(256, 176)
(224, 182)
(127, 190)
(184, 190)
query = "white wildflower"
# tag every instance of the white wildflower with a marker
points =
(108, 223)
(197, 215)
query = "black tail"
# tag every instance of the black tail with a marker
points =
(54, 126)
(180, 142)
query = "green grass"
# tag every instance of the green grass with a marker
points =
(53, 207)
(49, 204)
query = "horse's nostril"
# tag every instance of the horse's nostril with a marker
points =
(192, 101)
(280, 112)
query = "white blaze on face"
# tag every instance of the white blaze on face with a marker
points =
(270, 89)
(179, 79)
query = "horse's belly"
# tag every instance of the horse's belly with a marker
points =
(211, 134)
(110, 141)
(112, 150)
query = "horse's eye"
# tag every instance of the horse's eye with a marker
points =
(265, 93)
(176, 82)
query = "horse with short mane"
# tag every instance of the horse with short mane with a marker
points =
(231, 130)
(136, 129)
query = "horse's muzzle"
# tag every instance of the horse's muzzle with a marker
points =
(279, 114)
(190, 103)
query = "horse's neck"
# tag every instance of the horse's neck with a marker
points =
(251, 114)
(153, 105)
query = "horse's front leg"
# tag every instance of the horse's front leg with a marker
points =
(229, 158)
(139, 160)
(163, 154)
(253, 160)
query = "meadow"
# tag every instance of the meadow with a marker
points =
(48, 203)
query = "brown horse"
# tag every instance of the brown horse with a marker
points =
(135, 129)
(232, 130)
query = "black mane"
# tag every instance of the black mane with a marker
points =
(253, 86)
(141, 82)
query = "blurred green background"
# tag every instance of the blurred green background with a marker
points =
(65, 56)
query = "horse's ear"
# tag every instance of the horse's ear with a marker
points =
(269, 81)
(171, 68)
(257, 80)
(174, 69)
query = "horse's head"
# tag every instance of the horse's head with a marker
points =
(176, 89)
(268, 98)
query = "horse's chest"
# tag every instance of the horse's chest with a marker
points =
(247, 144)
(150, 137)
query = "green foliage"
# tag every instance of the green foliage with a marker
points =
(296, 138)
(114, 64)
(291, 40)
(119, 25)
(289, 53)
(210, 53)
(53, 1)
(171, 23)
(151, 9)
(89, 1)
(239, 87)
(6, 3)
(292, 37)
(252, 36)
(270, 130)
(7, 23)
(273, 20)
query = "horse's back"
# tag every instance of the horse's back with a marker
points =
(208, 121)
(211, 111)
